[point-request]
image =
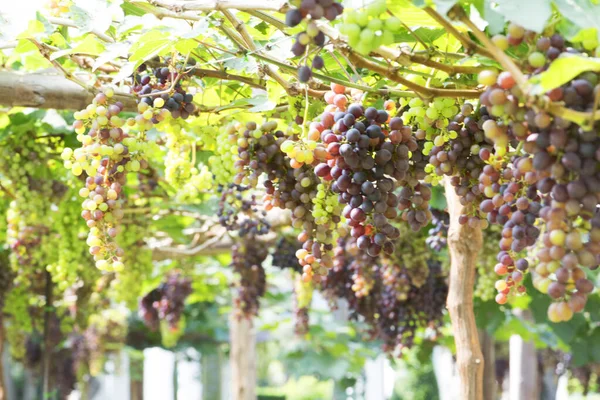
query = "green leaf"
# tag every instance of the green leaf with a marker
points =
(427, 35)
(132, 9)
(410, 14)
(494, 19)
(585, 34)
(149, 45)
(438, 199)
(582, 13)
(112, 52)
(90, 45)
(562, 70)
(185, 46)
(530, 14)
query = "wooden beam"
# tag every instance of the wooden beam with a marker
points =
(49, 91)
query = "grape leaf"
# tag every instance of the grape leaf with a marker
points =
(427, 35)
(561, 71)
(149, 45)
(90, 45)
(531, 14)
(582, 13)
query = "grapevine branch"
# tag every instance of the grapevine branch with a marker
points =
(69, 23)
(221, 5)
(241, 29)
(468, 44)
(396, 77)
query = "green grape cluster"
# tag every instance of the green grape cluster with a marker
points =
(17, 308)
(486, 276)
(182, 173)
(432, 119)
(139, 264)
(225, 154)
(367, 29)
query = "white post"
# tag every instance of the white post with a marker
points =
(523, 370)
(158, 372)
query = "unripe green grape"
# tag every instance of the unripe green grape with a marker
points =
(375, 24)
(362, 19)
(536, 59)
(367, 35)
(393, 24)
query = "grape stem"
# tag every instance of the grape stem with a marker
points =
(470, 46)
(7, 191)
(247, 38)
(495, 52)
(395, 76)
(221, 5)
(46, 54)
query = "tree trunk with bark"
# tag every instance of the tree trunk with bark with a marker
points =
(489, 369)
(3, 391)
(242, 357)
(136, 375)
(464, 243)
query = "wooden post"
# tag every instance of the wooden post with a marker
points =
(523, 370)
(47, 355)
(136, 375)
(242, 358)
(464, 242)
(3, 391)
(211, 372)
(489, 369)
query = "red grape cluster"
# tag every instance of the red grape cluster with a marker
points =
(248, 256)
(363, 155)
(240, 213)
(408, 291)
(438, 233)
(284, 254)
(311, 10)
(547, 193)
(166, 302)
(160, 87)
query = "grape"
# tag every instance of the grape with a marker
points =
(304, 74)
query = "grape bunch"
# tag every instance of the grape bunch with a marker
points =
(438, 233)
(303, 292)
(363, 155)
(368, 29)
(311, 11)
(284, 254)
(248, 256)
(160, 87)
(166, 302)
(546, 198)
(407, 292)
(239, 213)
(106, 154)
(262, 150)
